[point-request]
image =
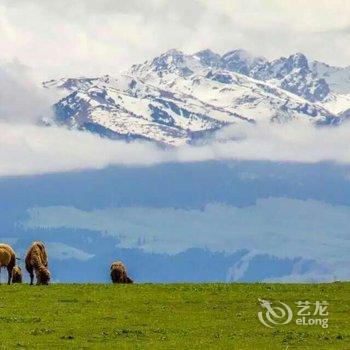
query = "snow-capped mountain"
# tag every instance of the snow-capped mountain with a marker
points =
(176, 98)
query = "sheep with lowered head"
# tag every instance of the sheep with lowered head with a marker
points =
(119, 274)
(16, 275)
(36, 262)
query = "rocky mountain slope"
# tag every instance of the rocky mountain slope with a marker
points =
(176, 98)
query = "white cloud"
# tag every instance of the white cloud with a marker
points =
(61, 251)
(21, 99)
(295, 142)
(75, 37)
(28, 149)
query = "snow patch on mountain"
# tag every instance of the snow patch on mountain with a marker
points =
(175, 98)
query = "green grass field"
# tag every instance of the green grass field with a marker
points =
(179, 316)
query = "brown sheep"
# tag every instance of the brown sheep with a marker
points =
(16, 275)
(7, 259)
(36, 262)
(118, 273)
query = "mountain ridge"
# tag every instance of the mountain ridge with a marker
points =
(176, 98)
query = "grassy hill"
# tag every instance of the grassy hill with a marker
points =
(181, 316)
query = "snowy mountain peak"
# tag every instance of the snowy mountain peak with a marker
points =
(173, 56)
(242, 61)
(299, 60)
(241, 55)
(172, 61)
(176, 98)
(208, 58)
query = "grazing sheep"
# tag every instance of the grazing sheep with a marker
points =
(16, 275)
(36, 261)
(7, 259)
(118, 273)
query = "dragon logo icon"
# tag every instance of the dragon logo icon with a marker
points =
(274, 315)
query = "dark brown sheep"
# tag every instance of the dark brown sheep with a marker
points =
(7, 259)
(16, 275)
(118, 273)
(36, 262)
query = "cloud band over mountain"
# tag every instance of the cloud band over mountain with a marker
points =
(29, 150)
